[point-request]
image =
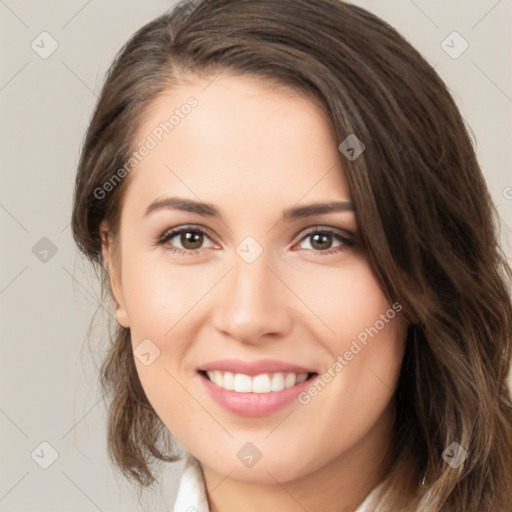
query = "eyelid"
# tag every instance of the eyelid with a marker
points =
(319, 228)
(347, 236)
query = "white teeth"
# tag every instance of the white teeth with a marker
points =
(229, 381)
(277, 382)
(218, 378)
(263, 383)
(289, 381)
(243, 383)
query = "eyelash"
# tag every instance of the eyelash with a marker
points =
(347, 240)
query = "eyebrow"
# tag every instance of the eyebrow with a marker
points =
(208, 210)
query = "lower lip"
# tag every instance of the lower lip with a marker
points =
(254, 404)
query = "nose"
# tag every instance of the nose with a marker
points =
(253, 304)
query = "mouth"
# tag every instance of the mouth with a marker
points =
(257, 388)
(262, 383)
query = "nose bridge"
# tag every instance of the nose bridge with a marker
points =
(252, 303)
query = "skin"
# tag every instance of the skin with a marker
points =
(254, 150)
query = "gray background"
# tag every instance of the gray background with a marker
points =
(48, 371)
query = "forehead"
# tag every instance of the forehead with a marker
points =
(231, 138)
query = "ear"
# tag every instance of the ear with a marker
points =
(113, 267)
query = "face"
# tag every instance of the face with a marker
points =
(258, 327)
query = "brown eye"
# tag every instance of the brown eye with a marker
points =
(327, 241)
(321, 241)
(190, 239)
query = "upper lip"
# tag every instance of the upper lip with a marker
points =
(254, 367)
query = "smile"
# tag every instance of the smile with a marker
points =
(263, 383)
(254, 388)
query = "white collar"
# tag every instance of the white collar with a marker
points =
(192, 497)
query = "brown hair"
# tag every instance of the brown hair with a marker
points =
(424, 213)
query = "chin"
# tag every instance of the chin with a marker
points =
(267, 470)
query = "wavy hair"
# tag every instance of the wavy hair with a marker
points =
(425, 216)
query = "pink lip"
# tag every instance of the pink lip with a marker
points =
(253, 368)
(253, 404)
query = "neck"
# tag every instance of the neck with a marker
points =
(341, 485)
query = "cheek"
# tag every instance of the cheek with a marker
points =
(163, 301)
(159, 294)
(160, 301)
(347, 302)
(364, 336)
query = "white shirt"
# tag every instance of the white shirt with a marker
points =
(191, 495)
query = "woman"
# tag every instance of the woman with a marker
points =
(287, 210)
